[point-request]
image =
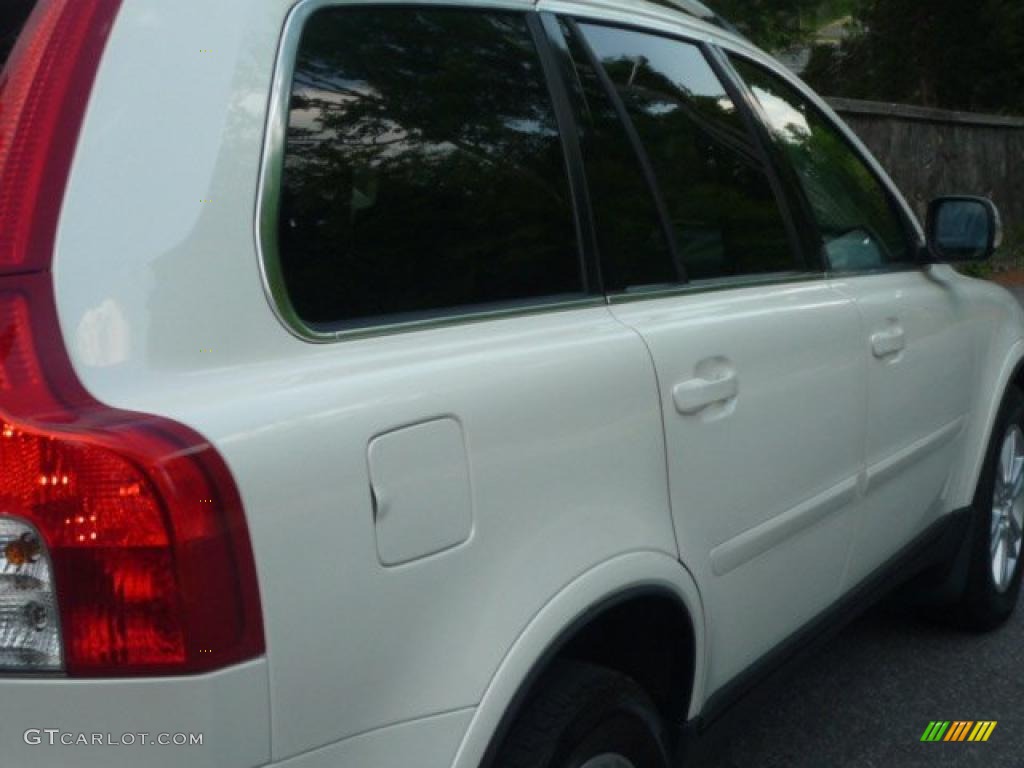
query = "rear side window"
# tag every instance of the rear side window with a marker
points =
(718, 196)
(858, 218)
(13, 15)
(424, 171)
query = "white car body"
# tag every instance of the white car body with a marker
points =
(393, 642)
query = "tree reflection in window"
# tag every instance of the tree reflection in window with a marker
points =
(724, 214)
(857, 218)
(423, 170)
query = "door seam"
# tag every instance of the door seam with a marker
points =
(664, 429)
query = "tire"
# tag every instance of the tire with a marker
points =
(585, 716)
(988, 600)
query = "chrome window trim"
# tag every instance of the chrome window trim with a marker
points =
(269, 193)
(885, 269)
(716, 285)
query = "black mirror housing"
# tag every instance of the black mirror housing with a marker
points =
(963, 228)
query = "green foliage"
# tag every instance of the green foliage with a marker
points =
(983, 270)
(1009, 258)
(773, 24)
(1011, 255)
(948, 54)
(778, 25)
(942, 53)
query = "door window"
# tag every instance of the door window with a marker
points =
(423, 171)
(724, 216)
(857, 217)
(630, 233)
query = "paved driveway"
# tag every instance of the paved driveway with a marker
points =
(864, 700)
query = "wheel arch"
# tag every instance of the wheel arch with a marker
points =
(572, 620)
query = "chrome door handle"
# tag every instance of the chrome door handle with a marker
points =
(695, 395)
(888, 342)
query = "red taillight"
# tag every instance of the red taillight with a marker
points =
(43, 92)
(139, 515)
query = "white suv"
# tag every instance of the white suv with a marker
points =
(449, 385)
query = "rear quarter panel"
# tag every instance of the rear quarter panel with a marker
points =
(163, 310)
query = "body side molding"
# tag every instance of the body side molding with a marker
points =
(730, 555)
(893, 465)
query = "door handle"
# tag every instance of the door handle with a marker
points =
(695, 395)
(889, 342)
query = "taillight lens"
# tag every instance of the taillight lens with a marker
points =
(43, 90)
(138, 516)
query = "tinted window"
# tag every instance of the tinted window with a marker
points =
(13, 15)
(424, 169)
(856, 215)
(629, 230)
(719, 199)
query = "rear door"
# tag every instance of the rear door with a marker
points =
(916, 340)
(758, 359)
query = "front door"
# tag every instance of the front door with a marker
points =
(919, 382)
(915, 336)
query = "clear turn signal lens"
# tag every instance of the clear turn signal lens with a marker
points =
(30, 638)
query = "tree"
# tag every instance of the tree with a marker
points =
(943, 53)
(774, 25)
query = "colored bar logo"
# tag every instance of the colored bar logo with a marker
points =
(959, 730)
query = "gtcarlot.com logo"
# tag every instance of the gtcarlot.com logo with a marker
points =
(958, 730)
(54, 737)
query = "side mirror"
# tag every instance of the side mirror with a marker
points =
(963, 229)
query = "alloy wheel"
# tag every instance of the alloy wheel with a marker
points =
(1008, 509)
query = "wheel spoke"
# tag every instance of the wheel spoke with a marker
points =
(1004, 579)
(1000, 554)
(1016, 484)
(1006, 458)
